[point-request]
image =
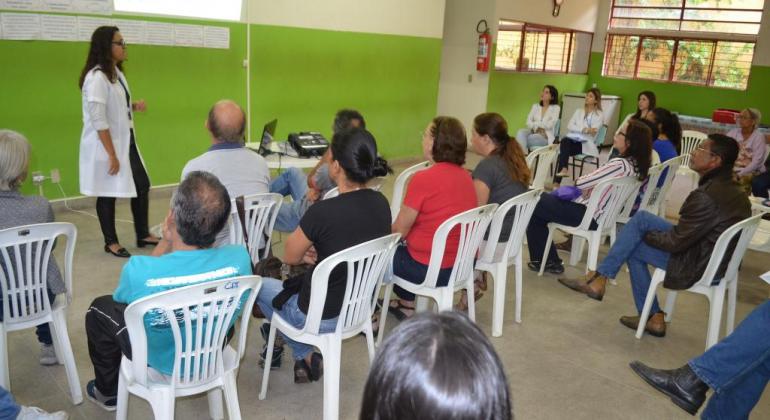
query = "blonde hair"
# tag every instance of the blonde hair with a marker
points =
(14, 159)
(597, 95)
(756, 116)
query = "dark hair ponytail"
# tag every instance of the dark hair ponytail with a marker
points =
(639, 140)
(669, 125)
(494, 125)
(356, 151)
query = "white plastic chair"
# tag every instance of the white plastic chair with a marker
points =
(715, 293)
(690, 140)
(202, 361)
(540, 162)
(496, 257)
(582, 159)
(261, 210)
(619, 189)
(653, 197)
(25, 252)
(399, 187)
(366, 265)
(334, 192)
(472, 225)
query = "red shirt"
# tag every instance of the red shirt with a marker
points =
(437, 193)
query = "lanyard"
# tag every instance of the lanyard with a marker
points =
(587, 119)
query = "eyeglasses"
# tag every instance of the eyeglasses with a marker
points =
(705, 150)
(620, 133)
(121, 43)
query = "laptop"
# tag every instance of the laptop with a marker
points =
(268, 132)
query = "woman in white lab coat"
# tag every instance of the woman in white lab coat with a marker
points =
(110, 164)
(541, 121)
(582, 129)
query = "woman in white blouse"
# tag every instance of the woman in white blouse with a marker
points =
(541, 121)
(582, 129)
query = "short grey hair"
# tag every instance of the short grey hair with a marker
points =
(14, 159)
(201, 207)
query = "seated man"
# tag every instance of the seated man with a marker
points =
(306, 190)
(737, 369)
(239, 169)
(199, 210)
(683, 249)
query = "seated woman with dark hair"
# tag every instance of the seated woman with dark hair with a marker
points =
(432, 196)
(18, 210)
(634, 142)
(357, 215)
(668, 144)
(437, 366)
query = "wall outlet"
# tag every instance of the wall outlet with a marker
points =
(55, 176)
(37, 178)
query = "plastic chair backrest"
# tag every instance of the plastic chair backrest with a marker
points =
(654, 197)
(203, 313)
(743, 230)
(539, 162)
(523, 205)
(650, 193)
(399, 187)
(472, 225)
(619, 190)
(556, 129)
(690, 140)
(261, 211)
(600, 135)
(25, 252)
(366, 265)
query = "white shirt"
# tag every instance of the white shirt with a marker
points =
(580, 121)
(536, 119)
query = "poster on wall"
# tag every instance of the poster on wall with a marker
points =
(87, 26)
(20, 26)
(58, 28)
(95, 7)
(133, 31)
(158, 33)
(188, 35)
(216, 37)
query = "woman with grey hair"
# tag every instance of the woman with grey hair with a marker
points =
(19, 210)
(751, 157)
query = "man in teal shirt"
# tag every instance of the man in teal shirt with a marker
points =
(199, 210)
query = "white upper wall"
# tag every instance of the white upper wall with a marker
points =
(574, 14)
(424, 18)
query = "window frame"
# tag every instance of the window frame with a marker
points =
(519, 60)
(683, 7)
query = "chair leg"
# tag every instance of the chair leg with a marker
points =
(593, 253)
(369, 341)
(231, 396)
(62, 342)
(332, 354)
(519, 286)
(715, 315)
(123, 396)
(5, 377)
(384, 312)
(657, 278)
(216, 411)
(471, 298)
(669, 307)
(268, 361)
(421, 304)
(545, 251)
(732, 294)
(576, 253)
(498, 302)
(162, 404)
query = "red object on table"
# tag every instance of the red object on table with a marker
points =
(725, 116)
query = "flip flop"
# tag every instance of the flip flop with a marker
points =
(398, 310)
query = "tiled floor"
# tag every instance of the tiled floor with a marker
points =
(567, 359)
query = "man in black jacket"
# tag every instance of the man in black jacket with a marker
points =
(683, 250)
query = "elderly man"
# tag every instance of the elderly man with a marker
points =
(682, 249)
(199, 210)
(239, 169)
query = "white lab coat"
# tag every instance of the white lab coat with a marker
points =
(579, 121)
(536, 119)
(94, 161)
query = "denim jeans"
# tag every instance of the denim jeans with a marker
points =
(551, 209)
(290, 313)
(737, 368)
(413, 271)
(630, 248)
(8, 407)
(528, 139)
(760, 185)
(291, 182)
(43, 331)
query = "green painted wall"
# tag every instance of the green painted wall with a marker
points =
(300, 76)
(685, 99)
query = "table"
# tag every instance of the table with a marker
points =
(706, 125)
(280, 161)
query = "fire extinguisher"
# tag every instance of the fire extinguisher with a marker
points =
(485, 46)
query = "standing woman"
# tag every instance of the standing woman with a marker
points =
(541, 120)
(110, 165)
(583, 126)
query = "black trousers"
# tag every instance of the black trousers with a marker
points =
(108, 341)
(567, 149)
(551, 209)
(140, 205)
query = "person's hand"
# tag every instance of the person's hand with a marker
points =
(312, 195)
(140, 106)
(541, 131)
(593, 131)
(114, 165)
(310, 256)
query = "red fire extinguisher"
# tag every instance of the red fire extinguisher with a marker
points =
(485, 46)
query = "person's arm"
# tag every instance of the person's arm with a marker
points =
(482, 192)
(576, 122)
(596, 121)
(758, 151)
(404, 221)
(532, 120)
(696, 220)
(325, 159)
(106, 138)
(139, 106)
(297, 245)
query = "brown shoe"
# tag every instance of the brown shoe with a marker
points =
(656, 325)
(592, 285)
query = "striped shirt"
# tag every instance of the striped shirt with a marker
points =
(616, 168)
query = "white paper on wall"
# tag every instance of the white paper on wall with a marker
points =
(87, 26)
(64, 6)
(133, 31)
(157, 33)
(20, 26)
(97, 7)
(28, 5)
(58, 28)
(188, 35)
(216, 37)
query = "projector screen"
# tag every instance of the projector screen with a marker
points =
(220, 9)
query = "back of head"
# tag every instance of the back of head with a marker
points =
(639, 141)
(201, 208)
(449, 140)
(756, 116)
(726, 148)
(494, 125)
(348, 118)
(654, 133)
(437, 366)
(14, 159)
(227, 121)
(669, 125)
(356, 151)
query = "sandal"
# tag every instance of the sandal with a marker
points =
(398, 310)
(301, 372)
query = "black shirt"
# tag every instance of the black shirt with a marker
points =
(335, 224)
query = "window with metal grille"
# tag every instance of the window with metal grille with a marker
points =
(527, 47)
(724, 16)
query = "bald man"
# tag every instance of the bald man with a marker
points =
(239, 169)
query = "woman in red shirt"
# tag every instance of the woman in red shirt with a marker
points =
(434, 195)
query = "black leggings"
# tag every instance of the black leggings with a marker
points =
(105, 206)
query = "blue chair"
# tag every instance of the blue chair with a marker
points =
(583, 159)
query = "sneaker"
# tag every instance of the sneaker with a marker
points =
(48, 355)
(34, 413)
(553, 267)
(106, 402)
(275, 362)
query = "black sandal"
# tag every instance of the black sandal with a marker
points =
(316, 366)
(398, 310)
(301, 372)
